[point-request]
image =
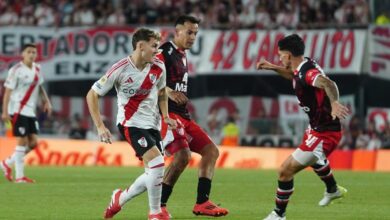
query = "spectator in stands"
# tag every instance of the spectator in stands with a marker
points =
(383, 18)
(385, 136)
(9, 17)
(77, 130)
(230, 133)
(44, 15)
(214, 126)
(355, 129)
(83, 15)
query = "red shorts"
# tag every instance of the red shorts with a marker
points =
(313, 139)
(187, 135)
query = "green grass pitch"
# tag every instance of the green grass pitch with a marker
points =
(84, 192)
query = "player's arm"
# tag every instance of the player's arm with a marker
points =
(163, 104)
(47, 107)
(284, 72)
(177, 96)
(7, 94)
(331, 90)
(93, 106)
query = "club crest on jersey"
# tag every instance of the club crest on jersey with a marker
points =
(152, 78)
(22, 130)
(142, 142)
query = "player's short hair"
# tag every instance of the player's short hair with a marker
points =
(186, 18)
(144, 34)
(25, 46)
(292, 43)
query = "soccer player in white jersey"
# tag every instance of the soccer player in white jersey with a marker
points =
(139, 80)
(22, 90)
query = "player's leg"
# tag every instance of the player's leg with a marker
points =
(146, 144)
(22, 128)
(17, 159)
(32, 129)
(174, 170)
(154, 178)
(176, 145)
(324, 171)
(202, 144)
(285, 187)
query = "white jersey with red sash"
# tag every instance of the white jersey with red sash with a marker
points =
(24, 83)
(137, 92)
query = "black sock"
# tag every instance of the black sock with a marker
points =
(204, 186)
(166, 193)
(283, 193)
(326, 175)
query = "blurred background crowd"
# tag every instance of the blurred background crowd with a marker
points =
(216, 14)
(359, 133)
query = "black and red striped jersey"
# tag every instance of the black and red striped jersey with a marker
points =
(313, 100)
(177, 75)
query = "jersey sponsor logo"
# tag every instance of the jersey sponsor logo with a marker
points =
(181, 87)
(22, 130)
(142, 142)
(136, 91)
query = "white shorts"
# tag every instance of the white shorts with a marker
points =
(308, 158)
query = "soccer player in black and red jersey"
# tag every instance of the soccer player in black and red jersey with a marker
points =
(318, 96)
(189, 136)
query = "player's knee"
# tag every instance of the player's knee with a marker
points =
(156, 162)
(284, 174)
(211, 152)
(214, 152)
(182, 158)
(32, 145)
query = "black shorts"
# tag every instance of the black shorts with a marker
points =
(24, 126)
(141, 139)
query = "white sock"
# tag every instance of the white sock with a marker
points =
(10, 160)
(20, 152)
(154, 178)
(138, 187)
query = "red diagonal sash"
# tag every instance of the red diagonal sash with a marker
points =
(27, 95)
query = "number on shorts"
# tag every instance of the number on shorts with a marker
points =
(310, 140)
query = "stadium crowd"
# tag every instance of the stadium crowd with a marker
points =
(216, 14)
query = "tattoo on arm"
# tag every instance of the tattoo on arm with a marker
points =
(329, 86)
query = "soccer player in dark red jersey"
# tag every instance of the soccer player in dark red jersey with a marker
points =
(189, 136)
(318, 96)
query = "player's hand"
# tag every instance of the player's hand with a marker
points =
(339, 110)
(264, 65)
(47, 108)
(104, 134)
(172, 124)
(178, 97)
(5, 117)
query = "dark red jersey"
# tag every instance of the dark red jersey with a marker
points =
(177, 75)
(313, 100)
